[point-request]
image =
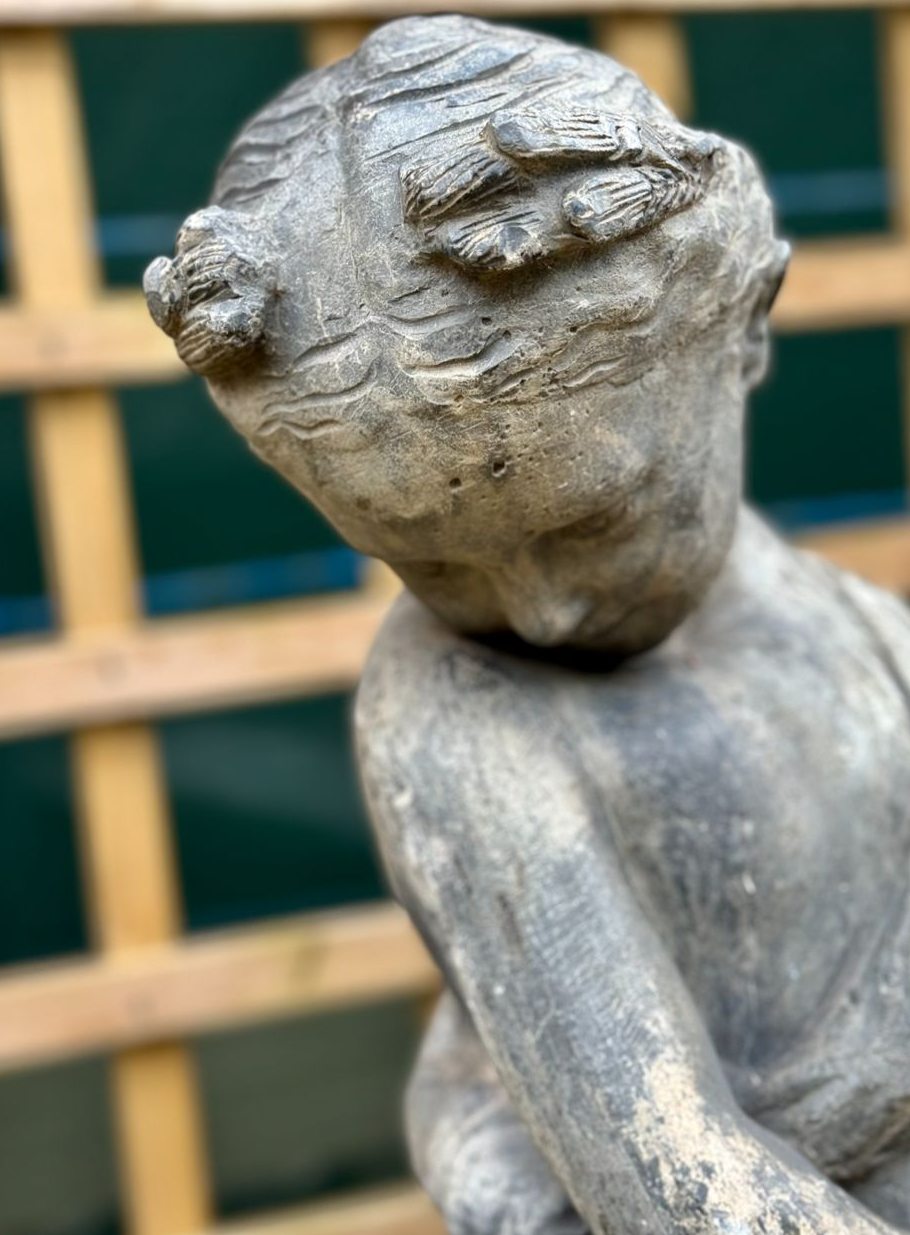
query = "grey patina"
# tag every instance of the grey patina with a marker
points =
(639, 770)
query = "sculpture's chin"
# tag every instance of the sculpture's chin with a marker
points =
(639, 630)
(605, 632)
(620, 639)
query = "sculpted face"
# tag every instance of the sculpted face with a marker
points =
(500, 336)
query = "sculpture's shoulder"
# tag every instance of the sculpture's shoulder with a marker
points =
(426, 688)
(863, 631)
(781, 604)
(454, 739)
(884, 617)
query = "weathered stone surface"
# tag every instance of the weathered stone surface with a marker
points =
(639, 771)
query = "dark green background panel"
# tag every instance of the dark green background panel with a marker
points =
(301, 1108)
(40, 895)
(800, 89)
(202, 497)
(20, 565)
(267, 811)
(829, 420)
(181, 94)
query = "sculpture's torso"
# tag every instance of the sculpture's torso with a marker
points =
(767, 840)
(756, 775)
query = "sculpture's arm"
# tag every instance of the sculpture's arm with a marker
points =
(488, 840)
(842, 1091)
(469, 1149)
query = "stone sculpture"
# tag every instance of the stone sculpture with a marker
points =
(639, 771)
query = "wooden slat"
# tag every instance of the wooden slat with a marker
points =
(89, 547)
(380, 582)
(185, 664)
(398, 1210)
(46, 194)
(842, 284)
(895, 64)
(126, 12)
(110, 342)
(879, 550)
(287, 650)
(299, 965)
(831, 285)
(160, 1135)
(652, 45)
(328, 41)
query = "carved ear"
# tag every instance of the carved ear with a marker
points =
(755, 353)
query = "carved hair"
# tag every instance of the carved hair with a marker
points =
(471, 207)
(499, 156)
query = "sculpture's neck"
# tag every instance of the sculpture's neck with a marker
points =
(748, 577)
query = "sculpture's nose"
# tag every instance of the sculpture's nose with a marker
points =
(539, 610)
(211, 297)
(550, 626)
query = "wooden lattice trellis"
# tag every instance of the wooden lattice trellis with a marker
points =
(108, 671)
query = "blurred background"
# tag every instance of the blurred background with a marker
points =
(265, 801)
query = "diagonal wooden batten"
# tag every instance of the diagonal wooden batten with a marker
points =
(290, 967)
(195, 663)
(108, 341)
(394, 1210)
(333, 39)
(831, 285)
(86, 521)
(290, 649)
(877, 549)
(653, 45)
(142, 12)
(844, 284)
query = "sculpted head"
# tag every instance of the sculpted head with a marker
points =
(496, 313)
